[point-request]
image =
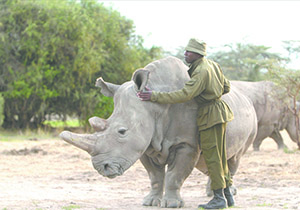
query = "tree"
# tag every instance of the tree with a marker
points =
(289, 81)
(246, 62)
(51, 53)
(1, 109)
(241, 61)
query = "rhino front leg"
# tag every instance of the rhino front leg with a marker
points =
(179, 168)
(156, 174)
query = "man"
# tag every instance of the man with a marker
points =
(206, 86)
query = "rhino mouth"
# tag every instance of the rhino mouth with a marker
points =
(111, 169)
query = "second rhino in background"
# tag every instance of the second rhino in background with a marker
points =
(272, 113)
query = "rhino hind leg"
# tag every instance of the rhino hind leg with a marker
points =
(278, 139)
(156, 174)
(275, 135)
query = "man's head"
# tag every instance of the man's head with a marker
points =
(194, 50)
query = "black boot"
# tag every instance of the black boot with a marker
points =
(229, 197)
(218, 201)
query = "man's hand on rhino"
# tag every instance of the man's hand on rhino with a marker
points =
(145, 95)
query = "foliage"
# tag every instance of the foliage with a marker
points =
(71, 207)
(62, 124)
(246, 61)
(288, 83)
(1, 109)
(26, 134)
(286, 150)
(51, 53)
(241, 61)
(292, 46)
(287, 78)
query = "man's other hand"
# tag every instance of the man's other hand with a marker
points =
(145, 95)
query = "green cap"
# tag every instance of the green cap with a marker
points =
(196, 46)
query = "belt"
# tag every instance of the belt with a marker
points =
(209, 102)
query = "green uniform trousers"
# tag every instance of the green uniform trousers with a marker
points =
(213, 146)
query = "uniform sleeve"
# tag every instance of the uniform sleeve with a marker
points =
(194, 87)
(226, 86)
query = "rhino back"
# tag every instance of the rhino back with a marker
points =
(265, 103)
(242, 130)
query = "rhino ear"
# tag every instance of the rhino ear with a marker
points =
(140, 78)
(107, 89)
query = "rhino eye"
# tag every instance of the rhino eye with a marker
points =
(122, 131)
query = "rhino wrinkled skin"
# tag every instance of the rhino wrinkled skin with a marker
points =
(273, 115)
(164, 137)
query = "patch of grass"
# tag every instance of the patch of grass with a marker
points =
(71, 207)
(285, 206)
(18, 135)
(264, 205)
(60, 124)
(288, 151)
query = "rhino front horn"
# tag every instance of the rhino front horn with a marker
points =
(85, 142)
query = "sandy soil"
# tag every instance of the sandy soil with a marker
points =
(50, 174)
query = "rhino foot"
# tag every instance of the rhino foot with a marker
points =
(172, 203)
(152, 200)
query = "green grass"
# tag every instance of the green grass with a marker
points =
(288, 151)
(38, 134)
(265, 205)
(71, 207)
(61, 124)
(285, 206)
(15, 135)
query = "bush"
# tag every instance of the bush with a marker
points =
(1, 109)
(51, 53)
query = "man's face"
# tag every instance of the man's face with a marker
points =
(190, 57)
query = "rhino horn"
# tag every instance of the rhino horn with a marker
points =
(85, 142)
(98, 124)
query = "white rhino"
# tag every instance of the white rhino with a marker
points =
(159, 135)
(272, 114)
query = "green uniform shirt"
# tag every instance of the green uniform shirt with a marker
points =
(206, 86)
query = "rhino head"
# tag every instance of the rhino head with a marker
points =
(119, 141)
(292, 123)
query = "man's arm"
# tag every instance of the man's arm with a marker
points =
(226, 86)
(194, 87)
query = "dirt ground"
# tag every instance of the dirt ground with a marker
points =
(50, 174)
